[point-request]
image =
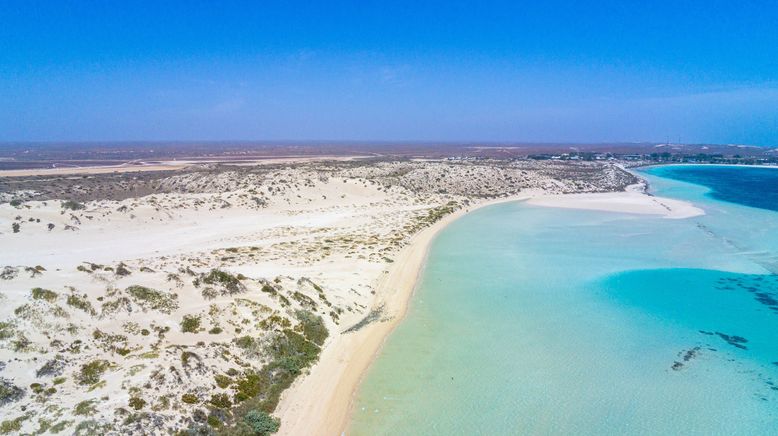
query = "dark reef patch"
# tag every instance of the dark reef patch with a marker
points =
(734, 340)
(686, 356)
(763, 288)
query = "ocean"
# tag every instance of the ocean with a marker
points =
(533, 320)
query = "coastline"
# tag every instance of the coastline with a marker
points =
(321, 403)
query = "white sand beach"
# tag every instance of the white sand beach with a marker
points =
(321, 403)
(626, 202)
(150, 297)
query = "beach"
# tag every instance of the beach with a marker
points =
(599, 319)
(226, 265)
(260, 252)
(322, 402)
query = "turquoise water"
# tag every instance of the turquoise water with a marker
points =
(531, 320)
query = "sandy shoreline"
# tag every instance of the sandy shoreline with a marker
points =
(626, 202)
(336, 239)
(322, 402)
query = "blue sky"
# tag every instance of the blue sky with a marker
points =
(698, 71)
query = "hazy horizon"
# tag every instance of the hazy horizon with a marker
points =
(497, 72)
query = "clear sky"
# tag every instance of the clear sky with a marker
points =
(698, 71)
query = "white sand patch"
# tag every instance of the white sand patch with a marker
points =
(624, 202)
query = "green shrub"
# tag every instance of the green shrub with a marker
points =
(122, 270)
(81, 302)
(274, 321)
(12, 426)
(312, 326)
(137, 403)
(190, 324)
(222, 401)
(91, 372)
(190, 398)
(43, 425)
(52, 368)
(60, 426)
(244, 341)
(250, 386)
(186, 356)
(6, 330)
(85, 408)
(228, 281)
(291, 353)
(272, 291)
(304, 300)
(214, 421)
(261, 423)
(209, 293)
(92, 427)
(9, 392)
(222, 381)
(44, 294)
(153, 299)
(112, 306)
(72, 205)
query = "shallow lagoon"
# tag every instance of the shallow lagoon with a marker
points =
(532, 320)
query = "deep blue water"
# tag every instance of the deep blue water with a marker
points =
(750, 186)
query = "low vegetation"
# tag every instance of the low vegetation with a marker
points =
(81, 302)
(6, 330)
(9, 392)
(220, 401)
(312, 326)
(190, 398)
(153, 299)
(190, 324)
(231, 283)
(85, 408)
(137, 403)
(91, 372)
(12, 426)
(72, 205)
(261, 423)
(44, 294)
(258, 393)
